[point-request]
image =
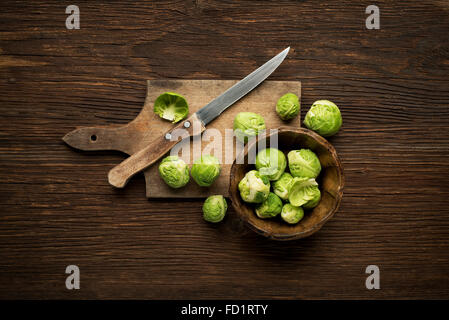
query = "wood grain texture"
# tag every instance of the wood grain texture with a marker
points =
(57, 209)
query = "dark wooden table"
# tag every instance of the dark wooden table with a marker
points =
(57, 207)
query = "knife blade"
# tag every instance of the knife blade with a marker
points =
(120, 174)
(214, 108)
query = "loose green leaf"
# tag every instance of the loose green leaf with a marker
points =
(171, 106)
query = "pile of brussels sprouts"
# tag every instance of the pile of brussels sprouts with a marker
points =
(292, 192)
(298, 189)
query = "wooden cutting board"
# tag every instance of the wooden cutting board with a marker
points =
(133, 136)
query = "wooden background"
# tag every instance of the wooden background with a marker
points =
(57, 207)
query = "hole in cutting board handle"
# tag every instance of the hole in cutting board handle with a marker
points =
(93, 138)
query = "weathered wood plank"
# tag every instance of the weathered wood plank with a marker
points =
(57, 208)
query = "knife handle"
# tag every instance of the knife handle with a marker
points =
(120, 174)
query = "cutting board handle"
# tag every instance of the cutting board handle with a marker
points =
(156, 149)
(99, 138)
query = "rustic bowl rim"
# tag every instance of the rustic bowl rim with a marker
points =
(294, 235)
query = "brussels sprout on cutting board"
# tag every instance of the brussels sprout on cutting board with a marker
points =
(171, 106)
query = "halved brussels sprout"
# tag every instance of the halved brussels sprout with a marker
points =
(271, 163)
(270, 208)
(302, 190)
(205, 170)
(254, 188)
(282, 186)
(292, 214)
(324, 118)
(171, 106)
(316, 197)
(214, 208)
(174, 171)
(304, 163)
(288, 106)
(247, 125)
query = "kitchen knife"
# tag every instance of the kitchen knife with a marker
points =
(194, 125)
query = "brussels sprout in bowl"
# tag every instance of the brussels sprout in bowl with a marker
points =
(271, 207)
(254, 188)
(319, 205)
(271, 163)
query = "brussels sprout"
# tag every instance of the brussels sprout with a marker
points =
(254, 187)
(316, 197)
(302, 190)
(271, 163)
(214, 208)
(271, 207)
(291, 214)
(324, 117)
(205, 170)
(174, 171)
(288, 106)
(247, 125)
(304, 163)
(171, 106)
(282, 186)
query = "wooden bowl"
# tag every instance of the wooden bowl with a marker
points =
(330, 180)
